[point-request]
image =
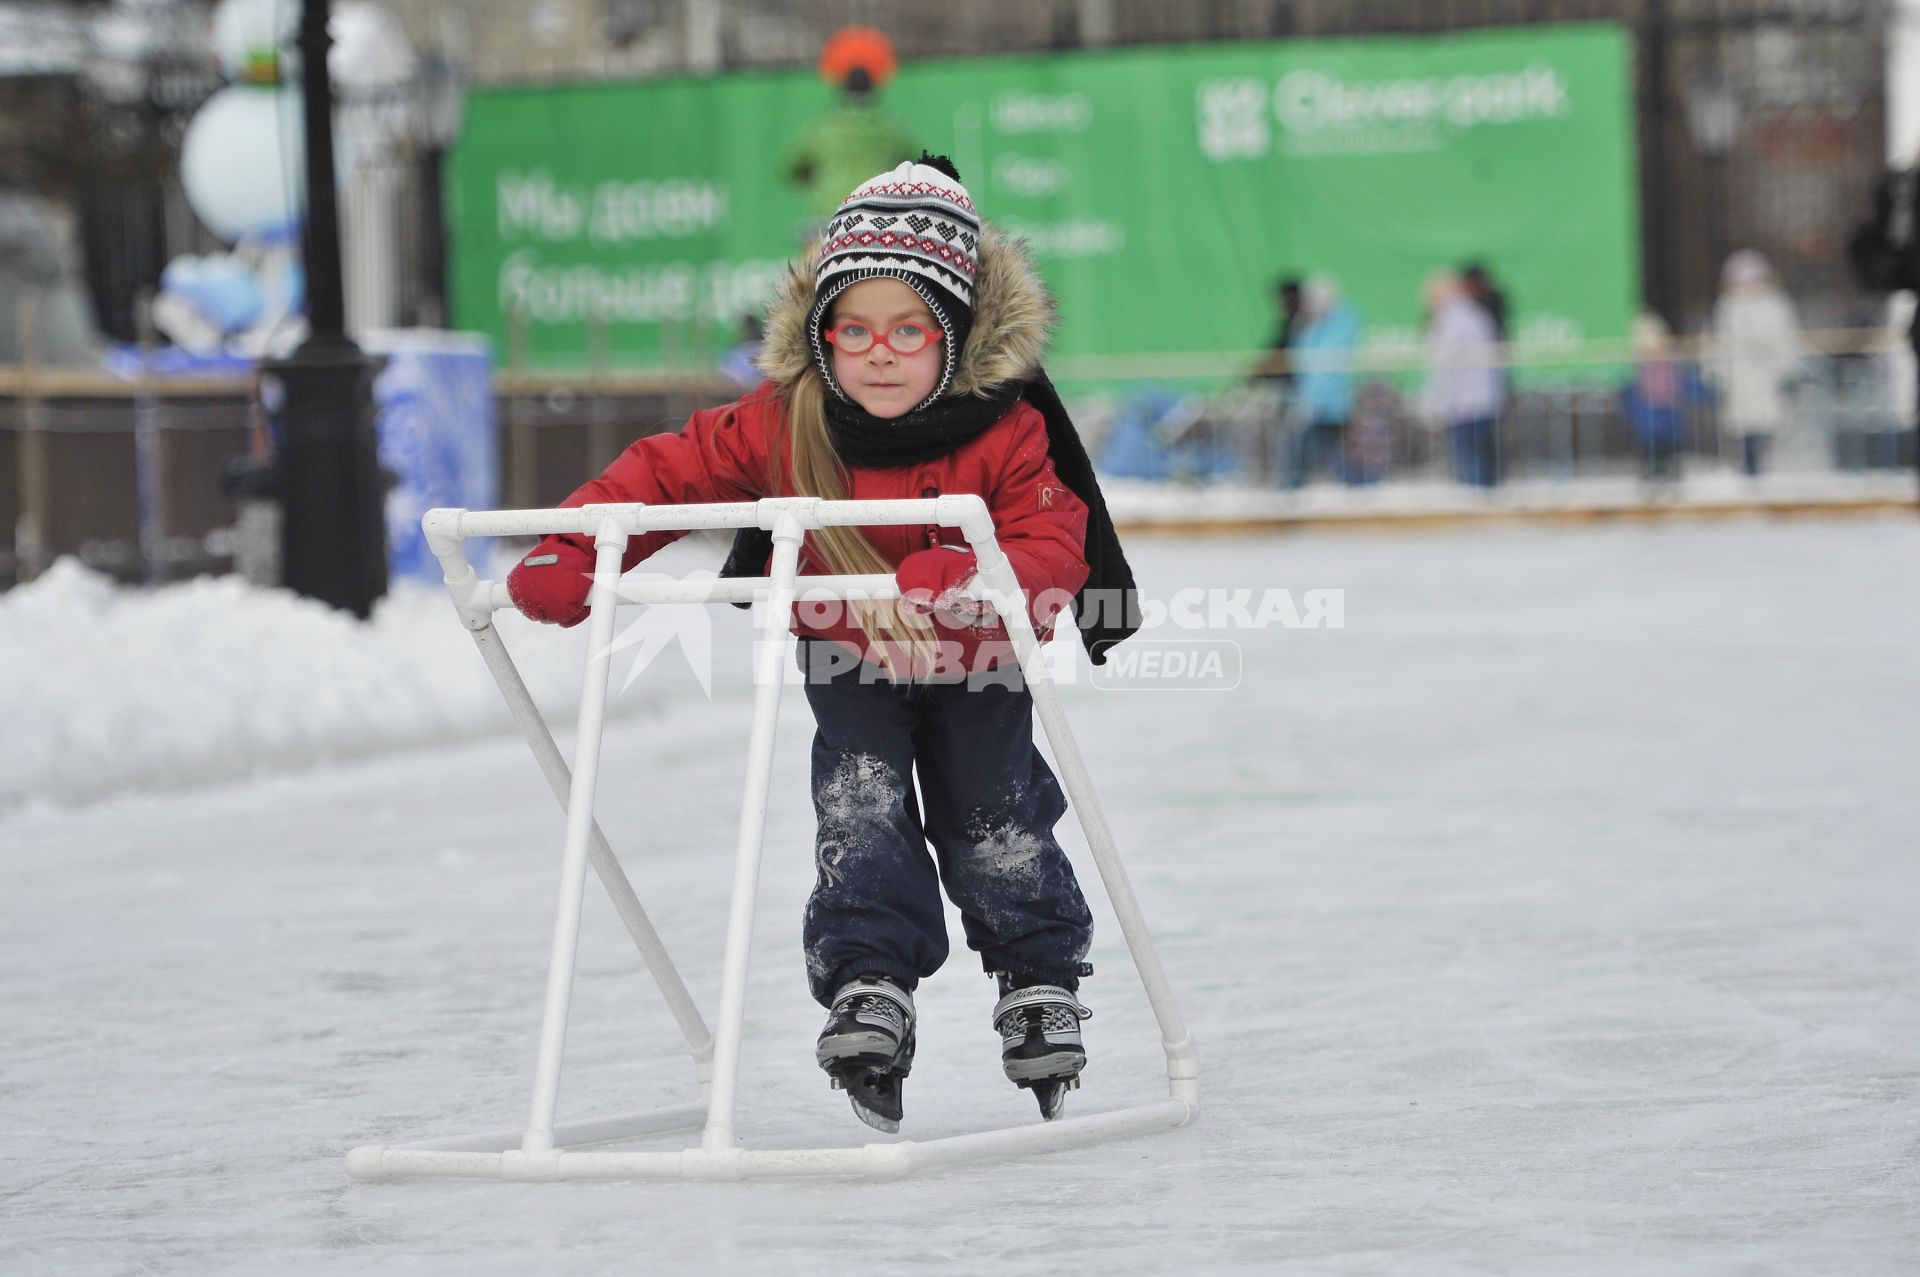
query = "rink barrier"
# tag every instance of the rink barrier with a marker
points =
(541, 1150)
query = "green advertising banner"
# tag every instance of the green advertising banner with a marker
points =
(1163, 190)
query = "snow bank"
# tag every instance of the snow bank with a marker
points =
(110, 688)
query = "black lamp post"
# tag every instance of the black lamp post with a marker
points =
(1659, 269)
(333, 528)
(1713, 122)
(439, 99)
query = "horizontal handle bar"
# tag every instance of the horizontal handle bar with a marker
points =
(452, 526)
(739, 589)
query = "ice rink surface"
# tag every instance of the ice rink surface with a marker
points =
(1558, 914)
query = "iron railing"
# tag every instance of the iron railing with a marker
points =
(132, 477)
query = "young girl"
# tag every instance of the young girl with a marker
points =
(904, 361)
(1655, 401)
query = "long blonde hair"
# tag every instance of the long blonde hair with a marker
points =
(816, 470)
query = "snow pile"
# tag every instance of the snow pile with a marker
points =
(109, 688)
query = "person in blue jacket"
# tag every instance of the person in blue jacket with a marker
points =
(1655, 400)
(1323, 382)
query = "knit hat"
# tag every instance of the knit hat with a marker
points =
(1747, 268)
(916, 224)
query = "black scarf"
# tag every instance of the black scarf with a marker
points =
(1106, 610)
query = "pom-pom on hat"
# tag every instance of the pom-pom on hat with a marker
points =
(917, 224)
(852, 49)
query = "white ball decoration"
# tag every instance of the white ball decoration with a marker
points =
(371, 52)
(243, 161)
(248, 37)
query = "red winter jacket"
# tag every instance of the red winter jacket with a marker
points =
(721, 454)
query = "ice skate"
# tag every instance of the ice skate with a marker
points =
(867, 1048)
(1040, 1045)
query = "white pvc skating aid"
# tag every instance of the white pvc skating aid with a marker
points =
(542, 1151)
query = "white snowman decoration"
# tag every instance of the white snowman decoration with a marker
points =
(243, 165)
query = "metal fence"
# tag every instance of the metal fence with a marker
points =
(1846, 408)
(132, 478)
(137, 479)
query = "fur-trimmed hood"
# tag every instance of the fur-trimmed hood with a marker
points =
(1013, 316)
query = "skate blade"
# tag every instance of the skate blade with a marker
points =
(874, 1095)
(1052, 1096)
(878, 1121)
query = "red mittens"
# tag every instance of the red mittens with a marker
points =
(550, 585)
(937, 580)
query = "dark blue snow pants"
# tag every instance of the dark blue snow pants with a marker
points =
(988, 804)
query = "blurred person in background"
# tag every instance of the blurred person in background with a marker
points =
(1482, 287)
(1756, 350)
(855, 138)
(1323, 381)
(736, 365)
(1270, 384)
(1370, 433)
(1465, 387)
(1655, 401)
(1873, 391)
(1286, 303)
(1884, 252)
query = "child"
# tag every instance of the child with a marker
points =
(904, 361)
(1656, 399)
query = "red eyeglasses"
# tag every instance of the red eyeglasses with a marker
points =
(902, 339)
